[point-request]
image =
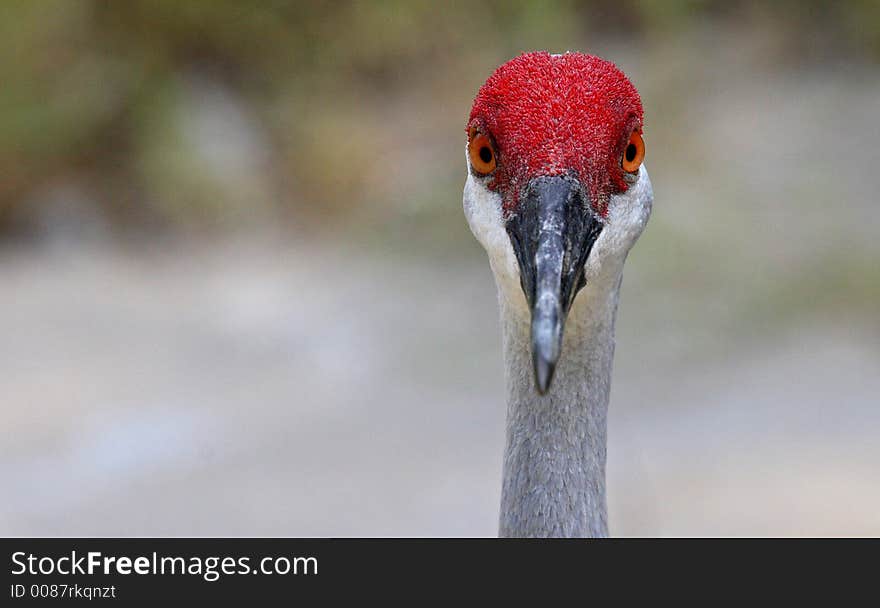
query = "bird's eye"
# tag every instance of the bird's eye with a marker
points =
(634, 153)
(481, 153)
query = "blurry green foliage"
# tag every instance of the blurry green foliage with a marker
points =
(92, 91)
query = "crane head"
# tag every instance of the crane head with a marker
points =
(556, 190)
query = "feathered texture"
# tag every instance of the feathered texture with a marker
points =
(554, 114)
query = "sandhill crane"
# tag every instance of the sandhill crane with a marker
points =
(557, 195)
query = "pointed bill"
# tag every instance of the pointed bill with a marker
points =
(552, 234)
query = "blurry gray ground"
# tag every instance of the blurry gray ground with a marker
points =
(260, 390)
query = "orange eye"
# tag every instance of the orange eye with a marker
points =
(634, 153)
(481, 153)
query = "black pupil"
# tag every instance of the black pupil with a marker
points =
(486, 154)
(630, 152)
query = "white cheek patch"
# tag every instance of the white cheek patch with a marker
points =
(482, 207)
(633, 208)
(628, 214)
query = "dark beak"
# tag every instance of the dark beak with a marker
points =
(552, 235)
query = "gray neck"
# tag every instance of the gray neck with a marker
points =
(554, 460)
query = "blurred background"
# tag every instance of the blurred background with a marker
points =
(239, 296)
